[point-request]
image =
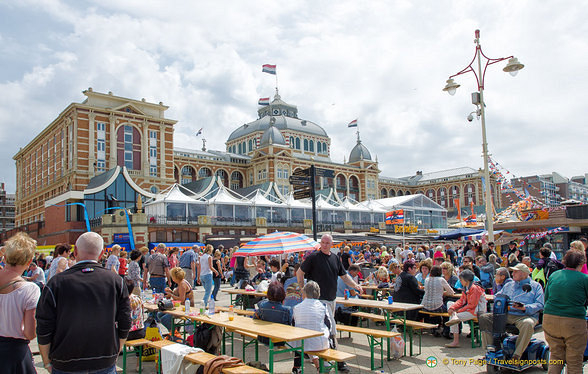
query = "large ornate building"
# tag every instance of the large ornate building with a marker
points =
(112, 151)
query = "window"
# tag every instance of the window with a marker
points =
(297, 143)
(319, 147)
(292, 143)
(250, 144)
(239, 148)
(128, 149)
(311, 146)
(153, 171)
(306, 144)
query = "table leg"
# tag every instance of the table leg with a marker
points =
(271, 356)
(301, 357)
(388, 328)
(140, 359)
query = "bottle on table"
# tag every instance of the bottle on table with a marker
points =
(231, 313)
(187, 306)
(211, 305)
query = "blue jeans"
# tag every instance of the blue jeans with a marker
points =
(158, 284)
(206, 281)
(166, 320)
(110, 370)
(217, 283)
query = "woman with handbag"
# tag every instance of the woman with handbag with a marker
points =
(18, 303)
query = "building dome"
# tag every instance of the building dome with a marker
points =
(359, 152)
(285, 117)
(272, 136)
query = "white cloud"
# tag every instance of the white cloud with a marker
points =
(382, 62)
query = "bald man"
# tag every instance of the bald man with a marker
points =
(325, 268)
(84, 314)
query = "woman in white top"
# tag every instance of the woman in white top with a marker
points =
(18, 303)
(435, 288)
(60, 262)
(313, 315)
(205, 271)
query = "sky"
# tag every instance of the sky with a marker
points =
(383, 62)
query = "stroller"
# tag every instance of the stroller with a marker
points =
(499, 354)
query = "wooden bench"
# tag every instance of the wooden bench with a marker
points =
(330, 355)
(366, 296)
(137, 346)
(201, 358)
(411, 325)
(375, 338)
(158, 344)
(475, 335)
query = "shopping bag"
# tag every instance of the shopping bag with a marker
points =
(152, 333)
(397, 345)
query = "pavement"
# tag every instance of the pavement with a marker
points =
(448, 360)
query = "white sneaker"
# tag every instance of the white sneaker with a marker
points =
(452, 321)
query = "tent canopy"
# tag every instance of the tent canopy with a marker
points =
(458, 233)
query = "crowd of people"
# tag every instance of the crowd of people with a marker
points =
(38, 293)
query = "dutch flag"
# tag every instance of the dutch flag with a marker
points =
(270, 69)
(264, 101)
(352, 123)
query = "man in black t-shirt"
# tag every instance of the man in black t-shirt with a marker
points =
(324, 268)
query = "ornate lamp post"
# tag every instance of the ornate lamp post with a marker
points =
(451, 86)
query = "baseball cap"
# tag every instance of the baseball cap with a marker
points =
(522, 267)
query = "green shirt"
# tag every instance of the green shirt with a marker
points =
(566, 294)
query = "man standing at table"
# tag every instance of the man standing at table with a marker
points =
(324, 268)
(188, 263)
(84, 314)
(158, 270)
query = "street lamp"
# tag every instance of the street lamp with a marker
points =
(512, 68)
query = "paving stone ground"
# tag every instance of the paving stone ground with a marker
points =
(461, 360)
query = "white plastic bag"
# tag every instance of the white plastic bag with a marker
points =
(397, 345)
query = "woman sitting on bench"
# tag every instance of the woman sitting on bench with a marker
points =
(471, 302)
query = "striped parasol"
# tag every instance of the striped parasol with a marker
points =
(277, 243)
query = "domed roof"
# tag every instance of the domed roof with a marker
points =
(286, 117)
(359, 152)
(272, 136)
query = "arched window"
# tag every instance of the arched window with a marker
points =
(292, 144)
(306, 144)
(400, 193)
(204, 172)
(383, 193)
(129, 147)
(354, 192)
(188, 174)
(297, 143)
(239, 148)
(432, 195)
(442, 197)
(392, 193)
(325, 150)
(223, 176)
(236, 180)
(311, 146)
(250, 145)
(319, 147)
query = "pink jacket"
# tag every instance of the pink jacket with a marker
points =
(468, 302)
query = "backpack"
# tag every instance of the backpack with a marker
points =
(550, 267)
(208, 338)
(343, 315)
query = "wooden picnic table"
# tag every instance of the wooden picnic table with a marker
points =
(374, 289)
(395, 307)
(245, 303)
(276, 332)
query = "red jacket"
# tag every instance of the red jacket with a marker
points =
(468, 302)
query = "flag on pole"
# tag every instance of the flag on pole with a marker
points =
(264, 101)
(199, 132)
(270, 69)
(352, 123)
(395, 217)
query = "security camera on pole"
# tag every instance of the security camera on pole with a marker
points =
(512, 67)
